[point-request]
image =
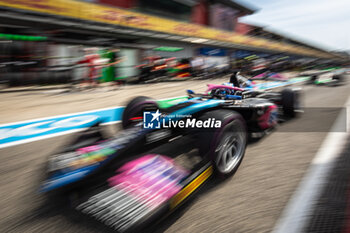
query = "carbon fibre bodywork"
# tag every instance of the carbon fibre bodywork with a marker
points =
(131, 179)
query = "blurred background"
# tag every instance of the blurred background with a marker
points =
(50, 42)
(65, 62)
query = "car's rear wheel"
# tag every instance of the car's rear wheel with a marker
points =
(234, 80)
(290, 100)
(338, 77)
(224, 146)
(133, 112)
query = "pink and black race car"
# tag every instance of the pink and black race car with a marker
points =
(154, 164)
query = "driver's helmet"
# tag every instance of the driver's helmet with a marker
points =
(222, 92)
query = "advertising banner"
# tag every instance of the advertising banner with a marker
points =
(212, 52)
(116, 16)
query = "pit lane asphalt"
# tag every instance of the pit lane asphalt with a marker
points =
(251, 201)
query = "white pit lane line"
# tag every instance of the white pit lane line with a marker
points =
(297, 213)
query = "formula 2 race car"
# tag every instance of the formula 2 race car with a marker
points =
(133, 178)
(335, 77)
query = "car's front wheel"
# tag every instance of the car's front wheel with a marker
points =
(133, 112)
(224, 146)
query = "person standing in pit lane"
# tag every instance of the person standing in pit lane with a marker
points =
(109, 71)
(94, 63)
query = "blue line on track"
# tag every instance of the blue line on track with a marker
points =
(55, 125)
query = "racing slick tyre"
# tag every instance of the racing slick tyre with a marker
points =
(338, 77)
(133, 112)
(290, 102)
(224, 146)
(233, 79)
